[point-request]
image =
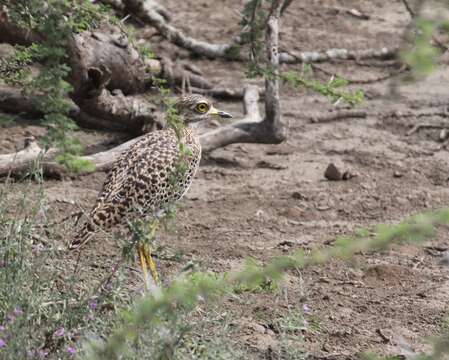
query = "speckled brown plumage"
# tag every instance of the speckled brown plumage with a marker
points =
(146, 177)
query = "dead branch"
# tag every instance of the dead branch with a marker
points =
(246, 130)
(292, 57)
(409, 8)
(420, 126)
(441, 112)
(177, 73)
(105, 58)
(251, 129)
(23, 160)
(108, 110)
(370, 80)
(286, 4)
(148, 13)
(339, 115)
(273, 121)
(224, 93)
(12, 100)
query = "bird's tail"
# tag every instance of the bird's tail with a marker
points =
(82, 236)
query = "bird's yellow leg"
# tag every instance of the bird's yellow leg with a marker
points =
(150, 263)
(145, 251)
(143, 265)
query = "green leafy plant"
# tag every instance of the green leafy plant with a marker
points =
(184, 293)
(332, 89)
(42, 307)
(56, 20)
(423, 56)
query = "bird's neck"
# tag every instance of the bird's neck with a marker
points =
(187, 135)
(191, 140)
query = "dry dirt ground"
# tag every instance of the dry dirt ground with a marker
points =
(261, 201)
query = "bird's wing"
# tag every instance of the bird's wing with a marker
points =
(135, 163)
(128, 161)
(139, 180)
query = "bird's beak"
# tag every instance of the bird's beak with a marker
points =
(220, 113)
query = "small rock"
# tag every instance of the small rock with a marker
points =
(333, 173)
(444, 134)
(298, 196)
(348, 175)
(398, 174)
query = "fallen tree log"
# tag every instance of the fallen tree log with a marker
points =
(107, 111)
(106, 47)
(12, 100)
(23, 160)
(251, 129)
(110, 80)
(13, 34)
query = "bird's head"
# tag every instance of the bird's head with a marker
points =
(193, 108)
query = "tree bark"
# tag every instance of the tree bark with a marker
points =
(12, 100)
(104, 112)
(108, 48)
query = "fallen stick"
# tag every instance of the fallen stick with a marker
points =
(420, 126)
(338, 115)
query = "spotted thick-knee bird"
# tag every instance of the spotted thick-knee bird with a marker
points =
(147, 177)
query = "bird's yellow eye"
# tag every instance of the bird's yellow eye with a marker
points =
(202, 107)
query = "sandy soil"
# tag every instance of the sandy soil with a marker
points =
(263, 200)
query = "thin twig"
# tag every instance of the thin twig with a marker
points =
(409, 9)
(420, 126)
(286, 4)
(402, 69)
